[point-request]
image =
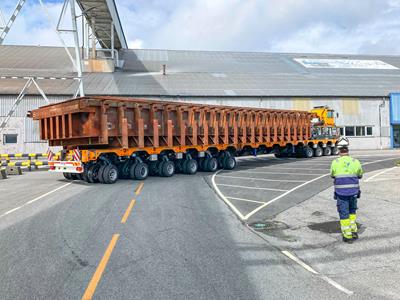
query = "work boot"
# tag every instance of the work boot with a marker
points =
(347, 240)
(355, 235)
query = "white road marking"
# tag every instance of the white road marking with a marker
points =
(10, 211)
(246, 200)
(300, 262)
(251, 187)
(261, 179)
(275, 173)
(283, 195)
(380, 173)
(242, 217)
(36, 199)
(234, 209)
(295, 168)
(311, 270)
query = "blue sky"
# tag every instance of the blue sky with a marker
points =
(325, 26)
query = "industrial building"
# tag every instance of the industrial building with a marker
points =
(361, 89)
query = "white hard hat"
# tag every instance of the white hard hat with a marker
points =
(343, 142)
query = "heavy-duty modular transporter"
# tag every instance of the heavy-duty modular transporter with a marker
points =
(106, 138)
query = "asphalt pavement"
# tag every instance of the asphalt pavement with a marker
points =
(176, 240)
(261, 187)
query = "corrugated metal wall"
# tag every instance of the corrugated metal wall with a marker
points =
(27, 104)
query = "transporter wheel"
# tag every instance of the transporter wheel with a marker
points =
(110, 174)
(140, 171)
(132, 171)
(318, 151)
(153, 168)
(211, 164)
(179, 166)
(220, 160)
(335, 151)
(84, 174)
(166, 168)
(229, 163)
(74, 176)
(190, 166)
(100, 173)
(278, 155)
(93, 173)
(202, 164)
(67, 176)
(308, 152)
(124, 170)
(327, 151)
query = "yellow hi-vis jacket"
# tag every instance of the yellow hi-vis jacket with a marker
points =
(346, 171)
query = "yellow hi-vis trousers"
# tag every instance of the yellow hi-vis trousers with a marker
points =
(345, 227)
(353, 224)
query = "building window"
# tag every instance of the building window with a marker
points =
(349, 131)
(360, 131)
(10, 138)
(356, 131)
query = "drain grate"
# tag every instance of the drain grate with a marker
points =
(268, 225)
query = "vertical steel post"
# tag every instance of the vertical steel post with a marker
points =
(112, 40)
(76, 42)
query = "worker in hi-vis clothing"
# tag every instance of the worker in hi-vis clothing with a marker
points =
(346, 172)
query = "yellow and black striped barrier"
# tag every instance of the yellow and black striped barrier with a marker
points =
(27, 163)
(20, 155)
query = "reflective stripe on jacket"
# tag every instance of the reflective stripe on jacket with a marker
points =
(346, 171)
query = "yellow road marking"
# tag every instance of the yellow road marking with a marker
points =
(139, 188)
(128, 211)
(100, 269)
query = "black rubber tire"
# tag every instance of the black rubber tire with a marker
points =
(229, 163)
(308, 152)
(335, 151)
(141, 171)
(124, 170)
(179, 166)
(93, 173)
(132, 171)
(74, 176)
(100, 173)
(85, 174)
(220, 160)
(278, 155)
(67, 176)
(110, 174)
(211, 164)
(318, 152)
(153, 168)
(327, 151)
(166, 168)
(190, 166)
(202, 164)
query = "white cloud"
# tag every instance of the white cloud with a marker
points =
(340, 26)
(135, 44)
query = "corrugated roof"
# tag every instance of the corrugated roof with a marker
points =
(203, 73)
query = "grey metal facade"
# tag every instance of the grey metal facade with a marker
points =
(274, 80)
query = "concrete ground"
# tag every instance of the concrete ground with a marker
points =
(370, 267)
(177, 240)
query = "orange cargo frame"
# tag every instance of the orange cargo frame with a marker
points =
(126, 125)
